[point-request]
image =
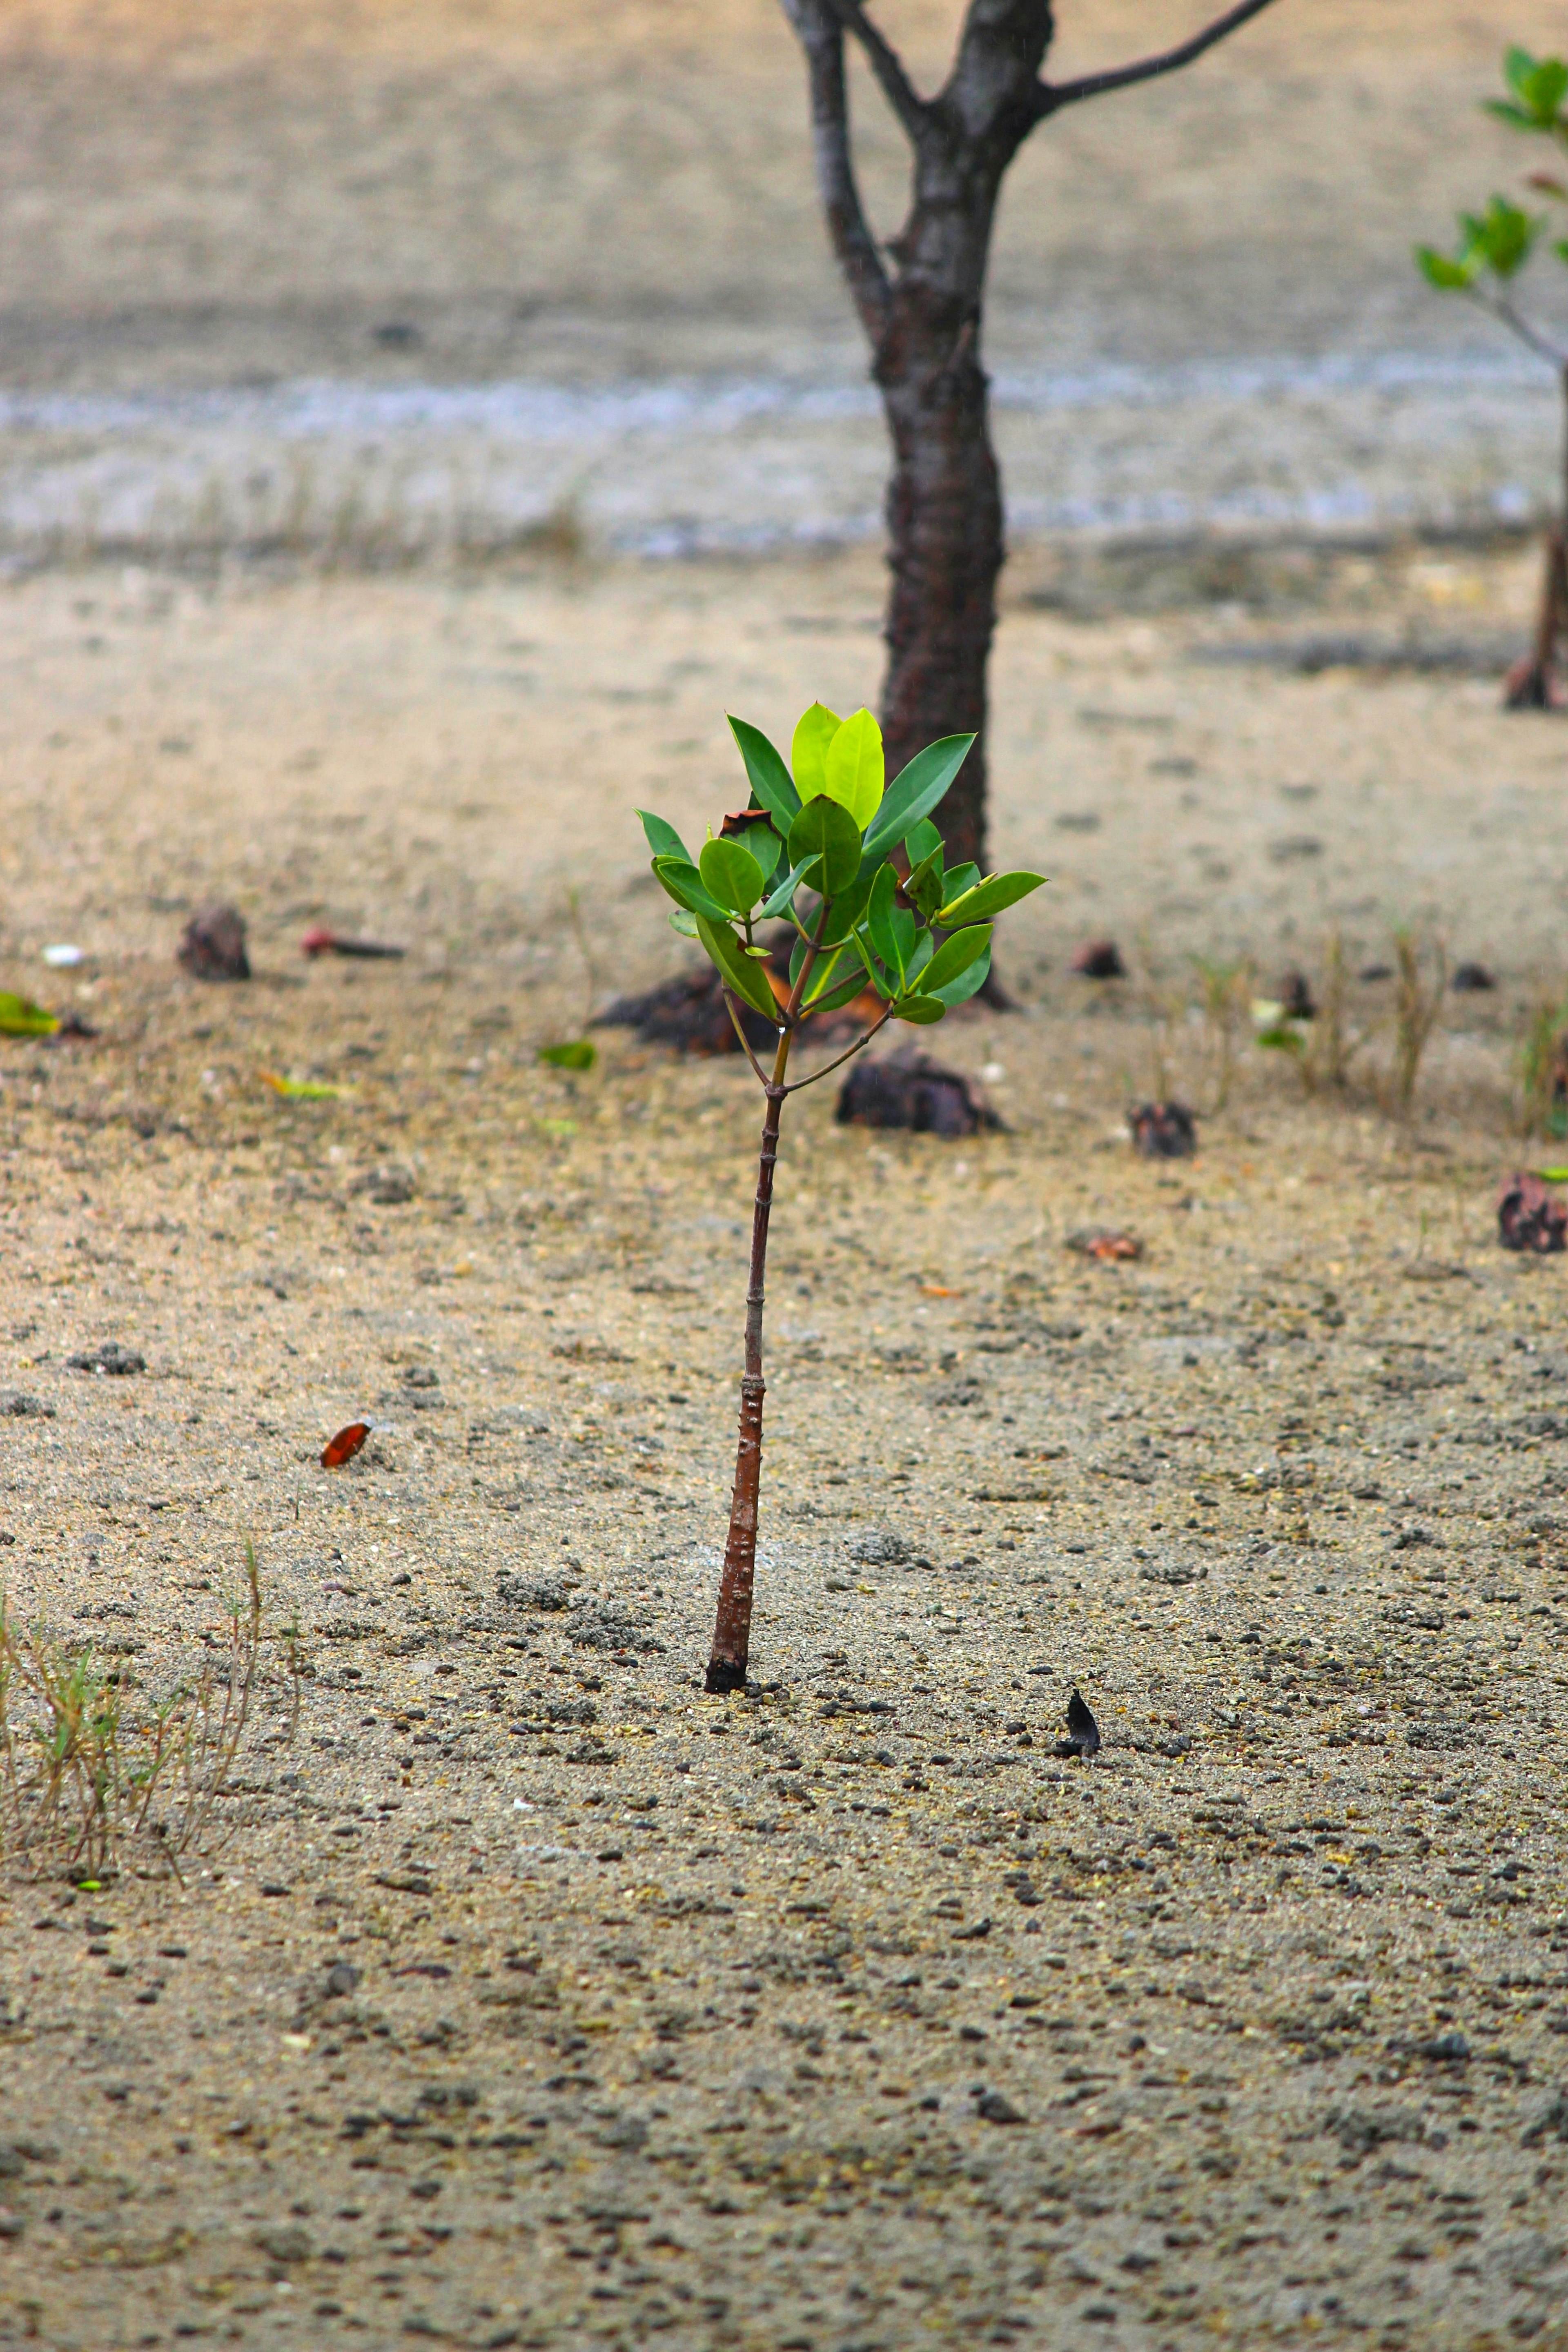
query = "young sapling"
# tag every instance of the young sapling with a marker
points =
(1495, 248)
(856, 869)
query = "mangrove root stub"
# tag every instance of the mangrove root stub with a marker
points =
(732, 1627)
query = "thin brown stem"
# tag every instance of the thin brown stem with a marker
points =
(848, 1055)
(732, 1620)
(745, 1043)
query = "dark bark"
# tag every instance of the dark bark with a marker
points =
(733, 1622)
(945, 551)
(923, 318)
(1529, 683)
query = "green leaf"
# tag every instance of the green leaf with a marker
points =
(735, 968)
(784, 895)
(826, 828)
(1539, 84)
(1448, 276)
(576, 1053)
(1501, 236)
(663, 839)
(922, 1010)
(815, 731)
(847, 910)
(968, 984)
(891, 940)
(20, 1018)
(683, 920)
(770, 779)
(954, 956)
(923, 884)
(1518, 65)
(843, 992)
(1505, 110)
(829, 974)
(961, 878)
(922, 842)
(684, 884)
(296, 1089)
(988, 898)
(915, 791)
(731, 874)
(854, 772)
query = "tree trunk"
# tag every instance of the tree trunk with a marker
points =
(1528, 684)
(946, 548)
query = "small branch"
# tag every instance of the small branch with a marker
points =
(885, 62)
(829, 1067)
(821, 36)
(745, 1040)
(1498, 307)
(1052, 95)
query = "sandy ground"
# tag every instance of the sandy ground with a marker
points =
(840, 2014)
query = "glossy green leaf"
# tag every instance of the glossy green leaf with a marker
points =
(827, 829)
(683, 920)
(968, 984)
(828, 974)
(684, 886)
(767, 847)
(843, 992)
(20, 1018)
(923, 884)
(748, 979)
(959, 879)
(922, 1010)
(954, 956)
(854, 771)
(849, 907)
(731, 874)
(887, 984)
(576, 1054)
(987, 899)
(662, 838)
(891, 940)
(915, 791)
(815, 731)
(769, 777)
(783, 893)
(922, 842)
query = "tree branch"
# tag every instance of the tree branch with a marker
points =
(885, 62)
(838, 1064)
(1052, 95)
(817, 29)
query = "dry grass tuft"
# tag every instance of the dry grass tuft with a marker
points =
(90, 1775)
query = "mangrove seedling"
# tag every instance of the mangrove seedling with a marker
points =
(858, 872)
(1494, 249)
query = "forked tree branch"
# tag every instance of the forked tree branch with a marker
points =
(1052, 95)
(820, 33)
(900, 91)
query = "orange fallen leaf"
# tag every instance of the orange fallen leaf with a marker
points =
(344, 1446)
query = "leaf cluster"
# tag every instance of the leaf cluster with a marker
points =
(854, 865)
(1494, 245)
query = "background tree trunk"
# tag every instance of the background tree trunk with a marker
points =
(945, 551)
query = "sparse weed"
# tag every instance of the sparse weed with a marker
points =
(1227, 993)
(89, 1774)
(1543, 1068)
(1416, 1005)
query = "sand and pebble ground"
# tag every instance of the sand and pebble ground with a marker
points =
(535, 1997)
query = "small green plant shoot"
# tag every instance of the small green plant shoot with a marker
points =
(857, 872)
(1495, 248)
